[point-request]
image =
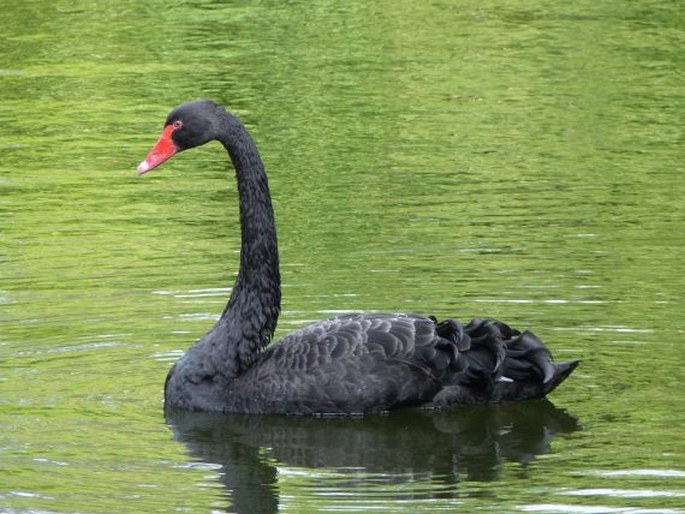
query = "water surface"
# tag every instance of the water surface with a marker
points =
(460, 159)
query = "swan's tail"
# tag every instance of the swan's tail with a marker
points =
(498, 364)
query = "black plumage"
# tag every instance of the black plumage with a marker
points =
(354, 364)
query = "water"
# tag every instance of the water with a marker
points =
(460, 159)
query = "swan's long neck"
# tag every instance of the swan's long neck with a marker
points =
(249, 319)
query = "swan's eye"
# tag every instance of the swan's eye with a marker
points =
(177, 124)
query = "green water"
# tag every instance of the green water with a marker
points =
(517, 160)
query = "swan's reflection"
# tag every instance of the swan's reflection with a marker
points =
(469, 443)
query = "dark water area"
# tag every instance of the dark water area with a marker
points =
(458, 159)
(405, 456)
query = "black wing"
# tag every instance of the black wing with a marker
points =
(375, 362)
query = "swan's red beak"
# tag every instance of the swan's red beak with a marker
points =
(163, 150)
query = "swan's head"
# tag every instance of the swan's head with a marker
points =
(189, 125)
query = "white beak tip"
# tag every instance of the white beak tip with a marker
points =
(143, 167)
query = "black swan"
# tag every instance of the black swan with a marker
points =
(353, 364)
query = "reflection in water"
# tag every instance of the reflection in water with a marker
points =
(469, 443)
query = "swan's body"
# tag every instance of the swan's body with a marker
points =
(350, 364)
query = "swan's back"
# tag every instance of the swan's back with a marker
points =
(376, 362)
